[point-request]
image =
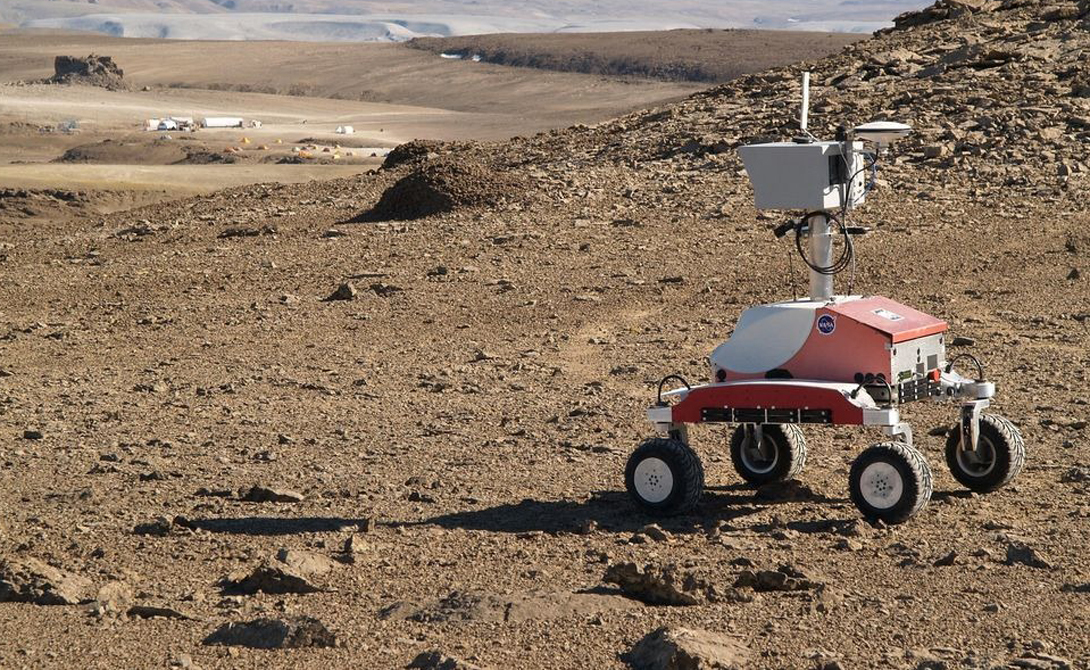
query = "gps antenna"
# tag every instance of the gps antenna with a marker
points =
(804, 118)
(804, 137)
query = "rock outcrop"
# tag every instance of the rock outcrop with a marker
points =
(92, 70)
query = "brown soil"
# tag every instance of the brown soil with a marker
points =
(180, 401)
(17, 204)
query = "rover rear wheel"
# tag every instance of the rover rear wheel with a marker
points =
(780, 453)
(998, 458)
(664, 476)
(890, 482)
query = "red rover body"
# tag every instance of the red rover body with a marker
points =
(847, 360)
(826, 359)
(886, 340)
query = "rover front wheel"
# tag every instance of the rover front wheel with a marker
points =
(998, 458)
(664, 476)
(779, 454)
(890, 482)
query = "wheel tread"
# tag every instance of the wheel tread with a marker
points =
(691, 474)
(796, 442)
(1008, 434)
(788, 437)
(920, 472)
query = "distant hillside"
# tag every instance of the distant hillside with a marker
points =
(373, 20)
(710, 56)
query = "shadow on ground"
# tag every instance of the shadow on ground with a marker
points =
(252, 525)
(610, 511)
(614, 511)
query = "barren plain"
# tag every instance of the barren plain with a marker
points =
(407, 418)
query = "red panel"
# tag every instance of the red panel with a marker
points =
(900, 322)
(765, 395)
(850, 348)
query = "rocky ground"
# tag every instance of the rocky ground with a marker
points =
(389, 436)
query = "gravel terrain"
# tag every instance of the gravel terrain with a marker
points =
(280, 426)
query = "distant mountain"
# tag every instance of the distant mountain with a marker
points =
(371, 20)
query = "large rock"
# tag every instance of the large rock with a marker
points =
(415, 151)
(114, 598)
(306, 562)
(269, 494)
(1038, 661)
(657, 584)
(291, 571)
(786, 578)
(269, 578)
(1020, 553)
(436, 660)
(32, 581)
(93, 70)
(673, 648)
(442, 186)
(474, 606)
(285, 633)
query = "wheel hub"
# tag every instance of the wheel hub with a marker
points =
(759, 457)
(977, 462)
(653, 480)
(882, 485)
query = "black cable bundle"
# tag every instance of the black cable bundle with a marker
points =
(847, 251)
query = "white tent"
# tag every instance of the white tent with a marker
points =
(345, 130)
(223, 122)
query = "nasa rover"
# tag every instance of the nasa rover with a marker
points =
(826, 359)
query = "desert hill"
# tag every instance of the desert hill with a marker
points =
(323, 400)
(371, 20)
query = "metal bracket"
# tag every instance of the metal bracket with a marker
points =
(754, 434)
(901, 430)
(970, 423)
(679, 432)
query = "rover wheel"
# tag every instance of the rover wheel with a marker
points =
(998, 458)
(664, 476)
(780, 455)
(890, 482)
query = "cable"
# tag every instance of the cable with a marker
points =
(662, 383)
(974, 359)
(791, 274)
(847, 251)
(870, 161)
(846, 259)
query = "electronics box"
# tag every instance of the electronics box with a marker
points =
(812, 176)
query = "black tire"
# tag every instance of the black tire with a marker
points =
(784, 450)
(999, 457)
(650, 486)
(891, 494)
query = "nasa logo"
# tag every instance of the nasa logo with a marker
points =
(826, 324)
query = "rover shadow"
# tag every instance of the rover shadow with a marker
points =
(273, 526)
(812, 527)
(956, 494)
(611, 511)
(778, 493)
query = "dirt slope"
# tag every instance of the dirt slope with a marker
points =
(676, 55)
(464, 419)
(388, 73)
